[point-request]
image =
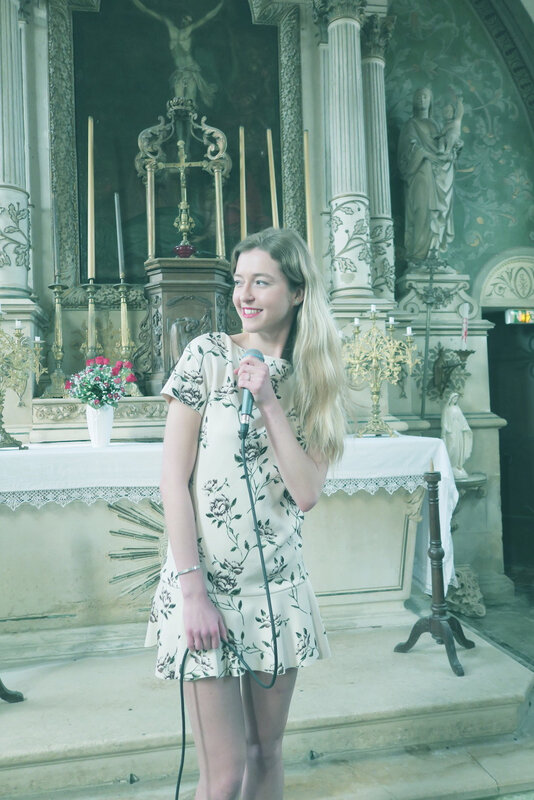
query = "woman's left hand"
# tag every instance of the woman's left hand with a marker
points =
(253, 374)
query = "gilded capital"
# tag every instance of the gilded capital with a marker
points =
(327, 11)
(376, 34)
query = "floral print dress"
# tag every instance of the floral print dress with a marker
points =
(204, 380)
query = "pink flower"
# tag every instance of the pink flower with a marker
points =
(96, 401)
(89, 361)
(128, 364)
(68, 384)
(100, 360)
(131, 378)
(116, 369)
(118, 380)
(118, 365)
(105, 361)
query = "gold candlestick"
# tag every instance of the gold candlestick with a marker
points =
(126, 346)
(19, 357)
(375, 357)
(272, 179)
(56, 387)
(91, 348)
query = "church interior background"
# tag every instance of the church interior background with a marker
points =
(333, 83)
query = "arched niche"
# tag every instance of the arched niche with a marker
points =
(507, 280)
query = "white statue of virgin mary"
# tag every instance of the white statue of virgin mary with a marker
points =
(457, 435)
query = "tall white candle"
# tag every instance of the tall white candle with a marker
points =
(242, 184)
(55, 239)
(356, 321)
(120, 246)
(408, 331)
(373, 308)
(272, 179)
(90, 201)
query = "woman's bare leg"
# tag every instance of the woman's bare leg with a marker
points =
(266, 712)
(215, 711)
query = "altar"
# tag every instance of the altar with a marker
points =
(81, 532)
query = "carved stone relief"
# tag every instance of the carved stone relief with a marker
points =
(510, 283)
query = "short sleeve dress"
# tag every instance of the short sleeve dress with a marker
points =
(204, 380)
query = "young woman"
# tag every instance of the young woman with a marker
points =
(211, 589)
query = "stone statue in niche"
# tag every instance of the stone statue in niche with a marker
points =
(427, 156)
(457, 435)
(187, 79)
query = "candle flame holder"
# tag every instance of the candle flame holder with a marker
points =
(375, 357)
(19, 357)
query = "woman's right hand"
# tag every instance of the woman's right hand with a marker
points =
(203, 623)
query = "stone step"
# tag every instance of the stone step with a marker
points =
(101, 719)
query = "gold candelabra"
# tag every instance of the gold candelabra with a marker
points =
(375, 357)
(19, 357)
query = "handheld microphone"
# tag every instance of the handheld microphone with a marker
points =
(247, 400)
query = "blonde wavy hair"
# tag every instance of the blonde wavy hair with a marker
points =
(313, 347)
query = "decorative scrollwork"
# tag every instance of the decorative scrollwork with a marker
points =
(13, 237)
(448, 374)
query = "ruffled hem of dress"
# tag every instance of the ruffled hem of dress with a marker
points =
(301, 639)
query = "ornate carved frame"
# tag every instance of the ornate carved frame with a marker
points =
(507, 280)
(64, 179)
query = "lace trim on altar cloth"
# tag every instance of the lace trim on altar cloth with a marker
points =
(372, 484)
(85, 494)
(110, 494)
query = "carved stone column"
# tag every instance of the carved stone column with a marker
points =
(286, 16)
(376, 33)
(14, 212)
(349, 204)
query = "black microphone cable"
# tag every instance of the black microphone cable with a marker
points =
(230, 646)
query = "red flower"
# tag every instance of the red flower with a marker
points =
(68, 384)
(100, 360)
(118, 380)
(131, 378)
(128, 364)
(105, 361)
(89, 361)
(118, 365)
(115, 370)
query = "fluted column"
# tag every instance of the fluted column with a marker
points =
(14, 212)
(349, 204)
(376, 33)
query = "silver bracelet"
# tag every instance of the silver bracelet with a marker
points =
(185, 571)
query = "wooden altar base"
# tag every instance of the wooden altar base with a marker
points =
(364, 724)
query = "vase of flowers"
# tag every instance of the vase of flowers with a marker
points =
(100, 386)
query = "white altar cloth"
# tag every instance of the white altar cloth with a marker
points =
(62, 473)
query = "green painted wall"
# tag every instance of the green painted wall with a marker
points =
(445, 46)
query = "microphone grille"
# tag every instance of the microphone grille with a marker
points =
(255, 353)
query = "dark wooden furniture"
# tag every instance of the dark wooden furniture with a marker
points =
(440, 624)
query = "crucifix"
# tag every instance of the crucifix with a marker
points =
(183, 221)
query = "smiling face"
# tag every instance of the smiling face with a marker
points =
(262, 297)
